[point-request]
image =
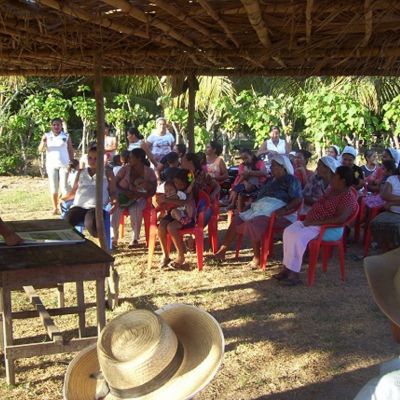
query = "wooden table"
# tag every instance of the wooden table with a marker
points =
(47, 266)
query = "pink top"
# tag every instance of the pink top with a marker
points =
(328, 205)
(260, 166)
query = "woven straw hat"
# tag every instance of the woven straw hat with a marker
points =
(170, 354)
(383, 274)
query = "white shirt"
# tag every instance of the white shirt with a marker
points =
(135, 145)
(280, 148)
(85, 196)
(57, 150)
(161, 145)
(395, 183)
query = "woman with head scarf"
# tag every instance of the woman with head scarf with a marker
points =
(280, 194)
(348, 158)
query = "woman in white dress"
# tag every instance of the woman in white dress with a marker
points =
(274, 145)
(59, 157)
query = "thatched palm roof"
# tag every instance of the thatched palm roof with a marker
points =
(216, 37)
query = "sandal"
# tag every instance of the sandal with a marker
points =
(133, 244)
(164, 262)
(183, 266)
(291, 282)
(252, 265)
(281, 275)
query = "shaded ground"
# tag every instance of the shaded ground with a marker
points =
(282, 343)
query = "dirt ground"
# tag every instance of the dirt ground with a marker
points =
(298, 343)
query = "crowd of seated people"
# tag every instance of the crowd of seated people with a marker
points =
(157, 172)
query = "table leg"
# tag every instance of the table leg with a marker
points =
(1, 321)
(101, 309)
(8, 335)
(80, 294)
(61, 297)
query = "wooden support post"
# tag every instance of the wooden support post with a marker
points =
(191, 109)
(98, 92)
(80, 296)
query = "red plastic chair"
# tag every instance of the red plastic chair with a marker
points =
(315, 245)
(146, 220)
(267, 240)
(197, 231)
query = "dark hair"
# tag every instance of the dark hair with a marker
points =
(306, 154)
(217, 147)
(334, 149)
(275, 127)
(183, 175)
(254, 158)
(390, 165)
(135, 131)
(116, 160)
(141, 155)
(369, 153)
(56, 120)
(194, 159)
(201, 157)
(347, 173)
(181, 147)
(92, 148)
(387, 151)
(124, 154)
(172, 157)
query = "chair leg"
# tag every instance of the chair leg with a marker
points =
(146, 219)
(326, 255)
(239, 239)
(213, 235)
(312, 264)
(152, 245)
(199, 240)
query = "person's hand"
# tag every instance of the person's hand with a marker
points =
(12, 239)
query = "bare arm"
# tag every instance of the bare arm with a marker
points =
(70, 149)
(289, 208)
(288, 147)
(387, 194)
(223, 170)
(263, 149)
(70, 195)
(341, 216)
(43, 144)
(146, 146)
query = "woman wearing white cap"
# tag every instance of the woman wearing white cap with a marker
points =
(348, 157)
(319, 182)
(280, 194)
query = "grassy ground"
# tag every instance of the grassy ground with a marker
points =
(282, 343)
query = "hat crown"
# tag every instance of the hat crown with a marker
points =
(134, 348)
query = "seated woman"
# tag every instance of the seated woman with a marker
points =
(334, 208)
(281, 193)
(348, 157)
(136, 181)
(251, 175)
(371, 166)
(301, 172)
(378, 178)
(274, 145)
(216, 166)
(319, 182)
(385, 226)
(84, 194)
(183, 182)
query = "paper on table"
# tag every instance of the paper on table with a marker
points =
(64, 236)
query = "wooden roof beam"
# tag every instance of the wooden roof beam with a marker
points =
(141, 16)
(368, 22)
(309, 8)
(174, 11)
(256, 20)
(213, 14)
(103, 21)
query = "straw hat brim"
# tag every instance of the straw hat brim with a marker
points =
(383, 275)
(203, 345)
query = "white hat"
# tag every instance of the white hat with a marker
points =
(395, 155)
(170, 354)
(284, 162)
(329, 162)
(350, 150)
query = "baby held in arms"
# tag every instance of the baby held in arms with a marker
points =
(182, 214)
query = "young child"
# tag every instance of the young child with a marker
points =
(252, 174)
(182, 214)
(120, 160)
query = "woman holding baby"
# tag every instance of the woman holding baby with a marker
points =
(136, 181)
